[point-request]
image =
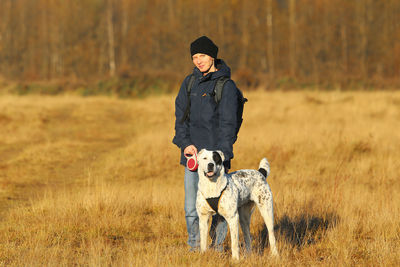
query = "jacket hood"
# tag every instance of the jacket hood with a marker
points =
(222, 71)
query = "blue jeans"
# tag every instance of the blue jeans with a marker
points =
(219, 226)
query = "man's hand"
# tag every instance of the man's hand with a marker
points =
(190, 150)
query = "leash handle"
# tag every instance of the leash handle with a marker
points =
(191, 162)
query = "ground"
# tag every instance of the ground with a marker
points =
(96, 181)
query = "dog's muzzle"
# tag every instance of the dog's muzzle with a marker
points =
(210, 170)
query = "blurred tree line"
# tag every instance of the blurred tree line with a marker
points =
(266, 42)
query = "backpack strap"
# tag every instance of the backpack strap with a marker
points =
(190, 83)
(219, 85)
(188, 89)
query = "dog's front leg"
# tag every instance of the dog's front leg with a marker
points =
(203, 225)
(233, 223)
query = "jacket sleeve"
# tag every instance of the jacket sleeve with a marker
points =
(182, 135)
(227, 110)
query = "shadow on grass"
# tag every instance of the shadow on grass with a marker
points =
(300, 231)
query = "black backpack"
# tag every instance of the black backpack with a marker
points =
(219, 86)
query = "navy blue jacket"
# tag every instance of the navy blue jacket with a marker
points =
(210, 125)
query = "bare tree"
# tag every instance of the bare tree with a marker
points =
(45, 39)
(362, 24)
(125, 9)
(292, 37)
(344, 42)
(245, 34)
(110, 35)
(270, 40)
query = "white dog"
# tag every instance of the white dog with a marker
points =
(233, 196)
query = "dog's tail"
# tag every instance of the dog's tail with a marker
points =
(264, 167)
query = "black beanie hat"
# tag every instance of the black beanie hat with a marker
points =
(204, 45)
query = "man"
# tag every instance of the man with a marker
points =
(200, 123)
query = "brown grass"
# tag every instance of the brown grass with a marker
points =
(96, 181)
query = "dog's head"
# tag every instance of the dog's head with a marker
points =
(210, 163)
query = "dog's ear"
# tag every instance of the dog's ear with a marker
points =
(199, 153)
(222, 155)
(218, 157)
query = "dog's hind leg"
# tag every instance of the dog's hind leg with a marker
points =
(244, 219)
(263, 200)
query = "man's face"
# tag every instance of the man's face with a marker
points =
(203, 62)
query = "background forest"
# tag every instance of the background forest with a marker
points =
(333, 44)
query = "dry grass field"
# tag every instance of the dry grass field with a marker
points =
(96, 181)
